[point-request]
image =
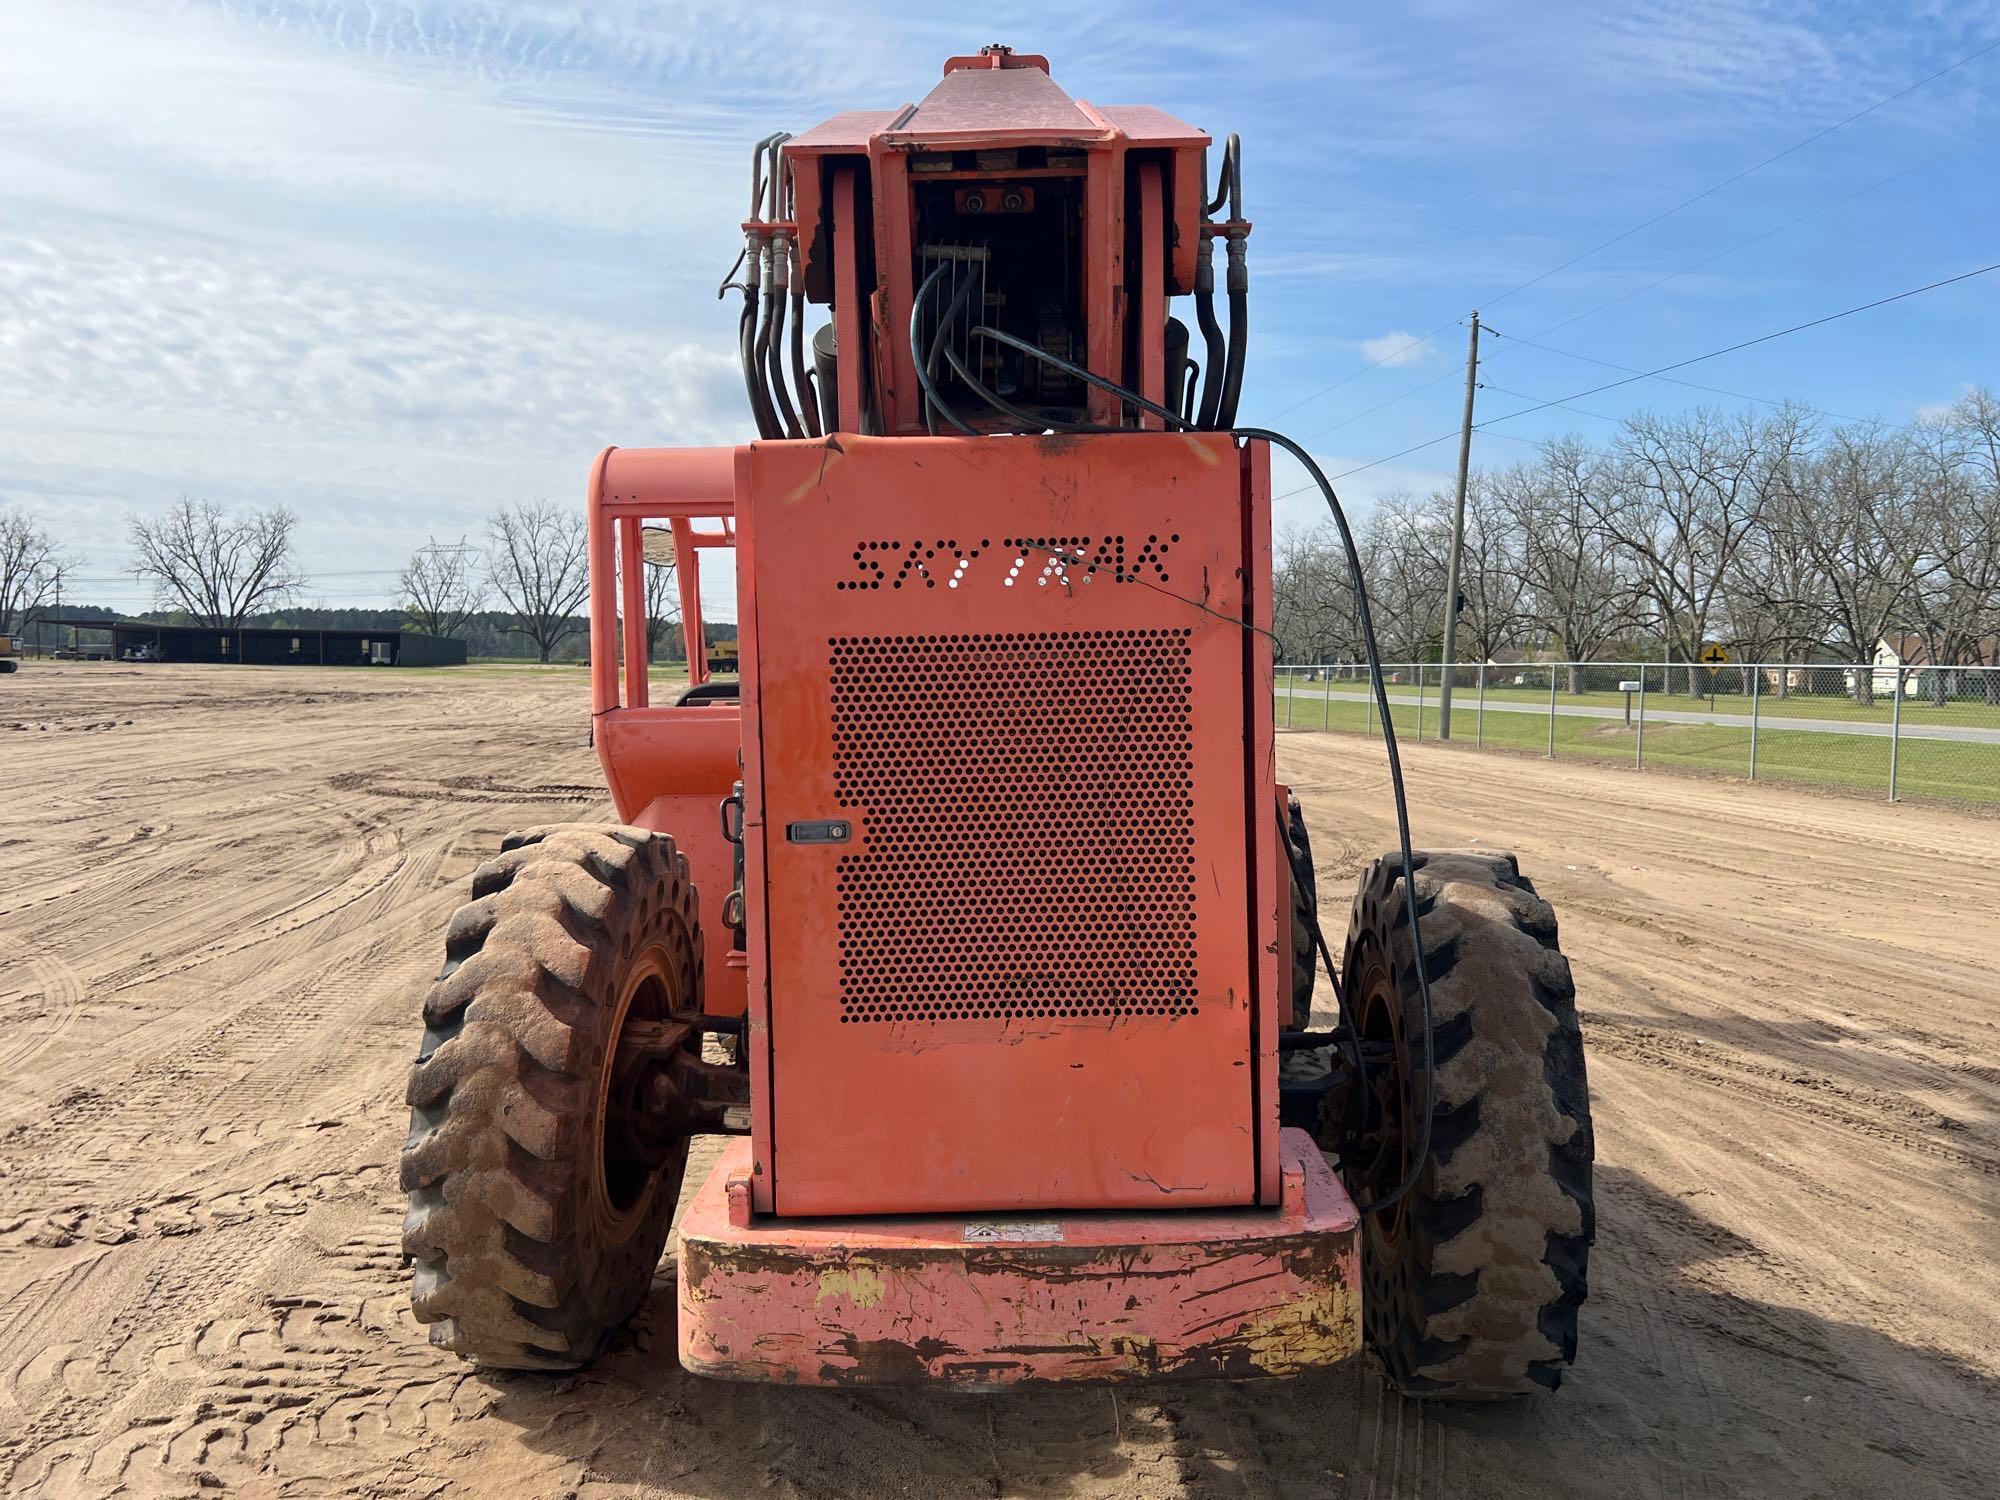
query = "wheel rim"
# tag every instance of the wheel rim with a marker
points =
(1384, 1140)
(625, 1184)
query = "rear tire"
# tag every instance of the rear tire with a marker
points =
(533, 1233)
(1471, 1282)
(1305, 912)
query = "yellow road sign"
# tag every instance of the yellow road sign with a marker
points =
(1715, 654)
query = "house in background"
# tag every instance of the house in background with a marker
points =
(1906, 657)
(1519, 657)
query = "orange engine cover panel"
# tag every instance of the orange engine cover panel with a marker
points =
(1000, 776)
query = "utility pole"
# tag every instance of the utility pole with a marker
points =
(1457, 535)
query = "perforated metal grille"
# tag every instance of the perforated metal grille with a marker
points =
(1027, 803)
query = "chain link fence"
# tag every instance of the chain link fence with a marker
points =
(1886, 729)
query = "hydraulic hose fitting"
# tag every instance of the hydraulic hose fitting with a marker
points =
(1239, 268)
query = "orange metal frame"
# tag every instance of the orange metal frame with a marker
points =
(794, 513)
(668, 766)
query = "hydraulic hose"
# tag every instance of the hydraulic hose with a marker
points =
(1238, 287)
(808, 398)
(754, 272)
(774, 346)
(769, 314)
(1232, 150)
(781, 291)
(746, 349)
(1239, 336)
(992, 397)
(1211, 333)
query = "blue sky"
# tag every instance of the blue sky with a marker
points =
(393, 263)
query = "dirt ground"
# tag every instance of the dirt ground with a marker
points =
(221, 894)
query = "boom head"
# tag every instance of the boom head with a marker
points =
(984, 252)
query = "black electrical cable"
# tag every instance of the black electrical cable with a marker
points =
(1345, 1033)
(1422, 1154)
(933, 401)
(1026, 419)
(1356, 575)
(941, 340)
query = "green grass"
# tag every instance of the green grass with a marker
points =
(1972, 712)
(1926, 768)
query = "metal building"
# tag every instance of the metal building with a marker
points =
(272, 646)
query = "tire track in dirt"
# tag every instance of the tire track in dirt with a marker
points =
(1868, 1112)
(27, 1037)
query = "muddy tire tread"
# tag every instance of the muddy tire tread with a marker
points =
(504, 1264)
(1504, 1215)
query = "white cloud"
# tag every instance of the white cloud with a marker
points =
(379, 410)
(1397, 349)
(1931, 411)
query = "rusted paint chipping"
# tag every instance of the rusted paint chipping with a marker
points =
(1260, 1293)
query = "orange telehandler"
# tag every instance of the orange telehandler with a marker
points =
(973, 914)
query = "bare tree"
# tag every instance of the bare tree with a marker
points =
(1404, 561)
(663, 604)
(1312, 600)
(29, 565)
(1865, 538)
(440, 588)
(1491, 583)
(1772, 599)
(538, 564)
(218, 567)
(1690, 492)
(1575, 593)
(1959, 606)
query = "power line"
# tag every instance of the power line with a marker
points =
(1376, 364)
(1714, 390)
(1709, 192)
(1378, 406)
(1375, 463)
(1762, 338)
(1654, 374)
(1486, 385)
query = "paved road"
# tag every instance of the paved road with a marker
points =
(1464, 706)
